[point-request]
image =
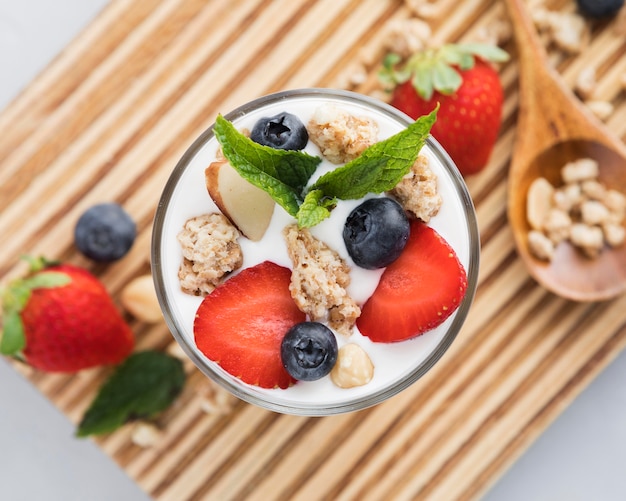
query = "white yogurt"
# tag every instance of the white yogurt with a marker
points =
(396, 365)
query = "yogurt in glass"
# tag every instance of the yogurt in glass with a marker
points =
(396, 365)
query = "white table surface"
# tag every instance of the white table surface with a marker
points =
(582, 456)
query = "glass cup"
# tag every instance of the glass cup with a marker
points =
(397, 365)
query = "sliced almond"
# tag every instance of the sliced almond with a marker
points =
(538, 202)
(249, 208)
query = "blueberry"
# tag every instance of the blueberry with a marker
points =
(376, 232)
(283, 132)
(309, 351)
(105, 232)
(599, 8)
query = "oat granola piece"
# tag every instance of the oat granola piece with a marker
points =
(417, 191)
(406, 36)
(210, 251)
(340, 136)
(570, 32)
(319, 280)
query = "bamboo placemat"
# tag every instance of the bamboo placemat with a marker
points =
(108, 119)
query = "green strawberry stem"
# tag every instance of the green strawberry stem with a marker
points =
(15, 297)
(434, 69)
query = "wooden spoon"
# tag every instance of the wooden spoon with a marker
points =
(555, 128)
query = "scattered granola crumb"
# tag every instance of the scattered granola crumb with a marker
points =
(586, 82)
(406, 36)
(210, 251)
(319, 280)
(417, 191)
(340, 136)
(213, 398)
(601, 109)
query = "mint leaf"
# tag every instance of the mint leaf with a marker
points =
(381, 166)
(315, 208)
(283, 174)
(145, 384)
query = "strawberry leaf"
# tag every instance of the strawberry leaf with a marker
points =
(144, 385)
(15, 299)
(436, 69)
(13, 340)
(445, 79)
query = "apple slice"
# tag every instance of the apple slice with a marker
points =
(249, 208)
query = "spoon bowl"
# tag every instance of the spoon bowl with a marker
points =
(553, 129)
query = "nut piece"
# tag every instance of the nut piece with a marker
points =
(588, 238)
(539, 202)
(557, 225)
(540, 245)
(614, 234)
(353, 367)
(580, 170)
(584, 211)
(593, 212)
(140, 300)
(146, 434)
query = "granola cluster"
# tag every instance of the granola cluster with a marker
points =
(319, 280)
(210, 252)
(340, 136)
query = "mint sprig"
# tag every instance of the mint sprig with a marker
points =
(141, 387)
(284, 175)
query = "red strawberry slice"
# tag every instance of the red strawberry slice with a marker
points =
(241, 324)
(417, 292)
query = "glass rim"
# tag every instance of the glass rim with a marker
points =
(247, 392)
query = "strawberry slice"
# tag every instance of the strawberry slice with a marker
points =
(417, 292)
(241, 324)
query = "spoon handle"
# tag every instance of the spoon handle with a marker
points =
(549, 112)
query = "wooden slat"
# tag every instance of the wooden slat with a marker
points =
(108, 120)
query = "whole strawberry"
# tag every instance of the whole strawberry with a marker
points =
(468, 88)
(60, 318)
